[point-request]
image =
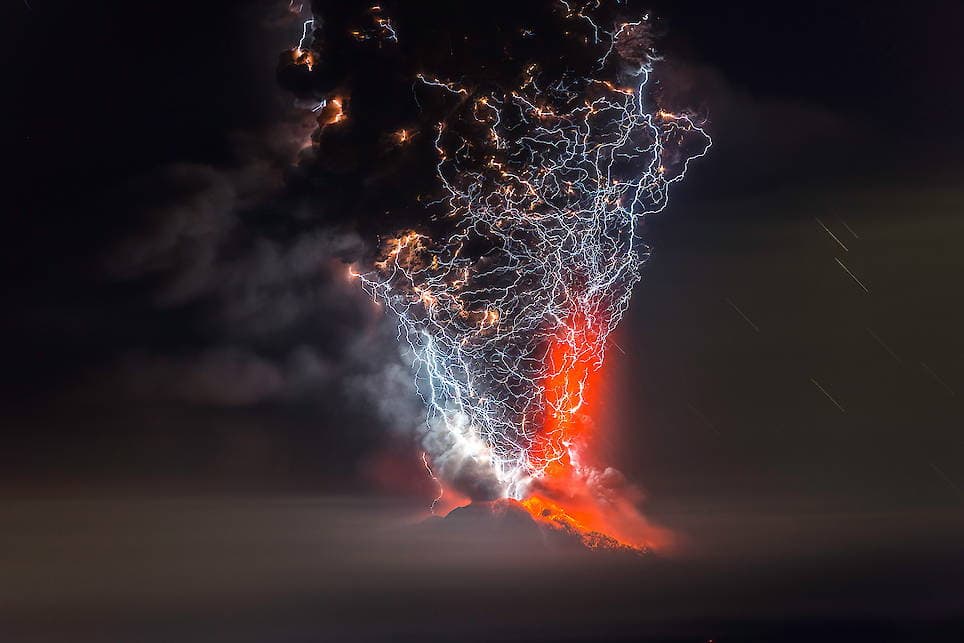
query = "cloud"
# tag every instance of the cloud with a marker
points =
(255, 280)
(226, 376)
(757, 139)
(389, 392)
(220, 377)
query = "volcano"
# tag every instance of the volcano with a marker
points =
(524, 525)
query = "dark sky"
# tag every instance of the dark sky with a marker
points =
(176, 321)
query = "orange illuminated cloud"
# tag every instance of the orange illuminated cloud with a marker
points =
(332, 113)
(303, 57)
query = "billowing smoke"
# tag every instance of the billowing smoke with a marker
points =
(504, 167)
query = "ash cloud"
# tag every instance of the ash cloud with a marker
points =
(237, 268)
(249, 266)
(358, 169)
(222, 377)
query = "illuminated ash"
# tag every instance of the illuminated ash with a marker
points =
(508, 313)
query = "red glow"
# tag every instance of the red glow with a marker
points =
(573, 495)
(573, 366)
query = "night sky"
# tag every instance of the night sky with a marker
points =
(196, 397)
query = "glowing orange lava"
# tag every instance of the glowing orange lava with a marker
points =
(550, 513)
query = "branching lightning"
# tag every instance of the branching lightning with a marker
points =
(545, 186)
